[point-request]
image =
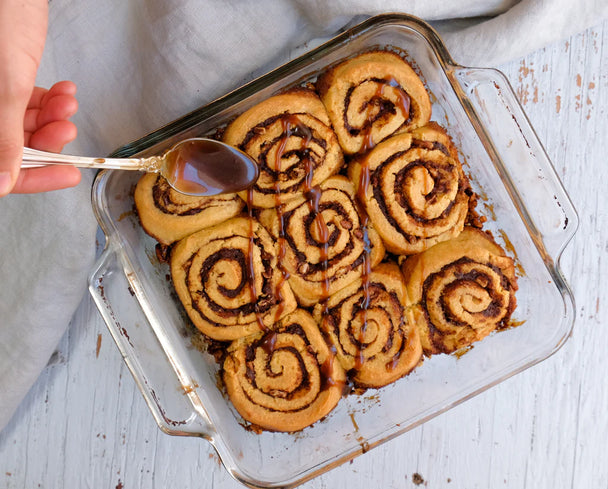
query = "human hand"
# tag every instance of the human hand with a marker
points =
(46, 127)
(30, 115)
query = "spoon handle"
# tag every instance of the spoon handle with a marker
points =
(33, 158)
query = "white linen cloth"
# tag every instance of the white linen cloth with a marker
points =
(139, 64)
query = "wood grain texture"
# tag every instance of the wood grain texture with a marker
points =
(85, 425)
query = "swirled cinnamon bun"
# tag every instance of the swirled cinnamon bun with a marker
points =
(324, 244)
(417, 194)
(372, 96)
(463, 289)
(369, 325)
(168, 215)
(227, 279)
(290, 137)
(284, 379)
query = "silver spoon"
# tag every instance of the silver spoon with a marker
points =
(195, 166)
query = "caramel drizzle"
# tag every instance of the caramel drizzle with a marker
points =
(404, 98)
(289, 123)
(286, 124)
(403, 105)
(362, 189)
(394, 362)
(327, 368)
(250, 261)
(313, 196)
(269, 341)
(364, 181)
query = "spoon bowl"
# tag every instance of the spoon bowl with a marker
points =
(194, 166)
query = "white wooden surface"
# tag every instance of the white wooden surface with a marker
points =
(85, 425)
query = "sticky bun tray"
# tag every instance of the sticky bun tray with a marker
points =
(517, 193)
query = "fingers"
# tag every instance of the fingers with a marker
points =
(52, 137)
(45, 127)
(46, 178)
(45, 123)
(40, 95)
(47, 106)
(58, 108)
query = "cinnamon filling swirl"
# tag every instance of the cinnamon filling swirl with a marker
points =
(284, 379)
(226, 277)
(463, 289)
(374, 336)
(322, 260)
(291, 138)
(372, 96)
(169, 216)
(418, 193)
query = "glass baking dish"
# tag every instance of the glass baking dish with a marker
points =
(528, 212)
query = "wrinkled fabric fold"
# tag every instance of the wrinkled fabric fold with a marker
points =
(526, 26)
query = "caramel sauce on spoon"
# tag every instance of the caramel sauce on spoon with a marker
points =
(207, 167)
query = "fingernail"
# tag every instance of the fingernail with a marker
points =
(5, 183)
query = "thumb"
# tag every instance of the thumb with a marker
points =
(12, 112)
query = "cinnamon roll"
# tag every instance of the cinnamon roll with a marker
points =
(284, 379)
(371, 329)
(226, 277)
(168, 215)
(290, 137)
(462, 290)
(372, 96)
(324, 244)
(417, 194)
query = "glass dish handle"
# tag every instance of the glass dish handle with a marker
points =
(150, 368)
(516, 151)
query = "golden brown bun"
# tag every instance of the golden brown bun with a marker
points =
(417, 194)
(168, 215)
(285, 379)
(324, 246)
(212, 275)
(377, 344)
(372, 96)
(290, 137)
(462, 290)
